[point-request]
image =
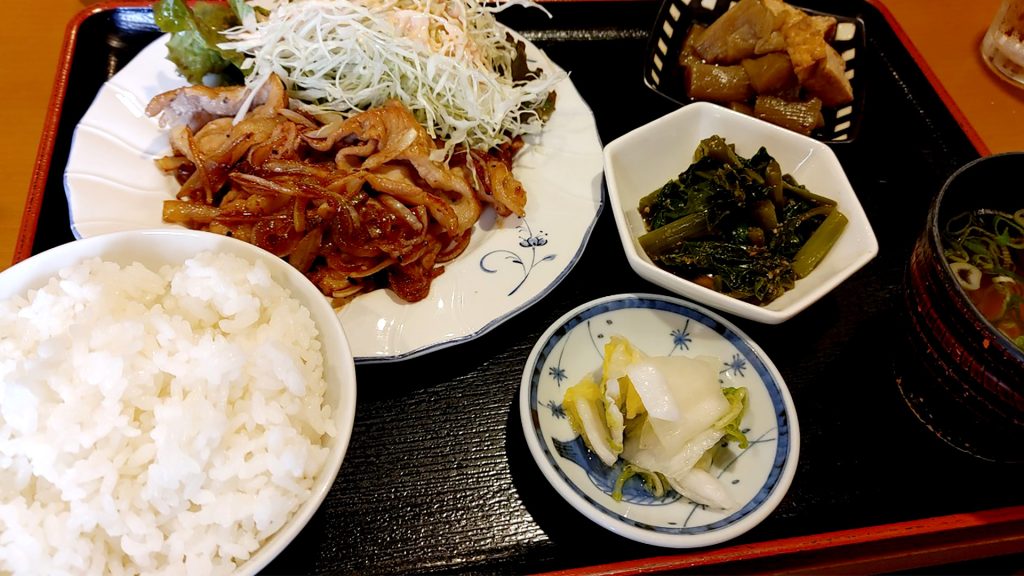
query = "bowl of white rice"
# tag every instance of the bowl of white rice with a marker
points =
(170, 402)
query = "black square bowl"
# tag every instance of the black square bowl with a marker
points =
(664, 75)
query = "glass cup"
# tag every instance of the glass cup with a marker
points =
(1002, 48)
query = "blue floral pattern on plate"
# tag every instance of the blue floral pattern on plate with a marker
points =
(528, 240)
(757, 476)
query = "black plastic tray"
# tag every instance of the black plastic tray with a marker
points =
(438, 477)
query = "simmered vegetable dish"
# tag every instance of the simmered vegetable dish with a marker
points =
(767, 59)
(739, 226)
(985, 250)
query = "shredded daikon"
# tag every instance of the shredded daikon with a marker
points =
(449, 62)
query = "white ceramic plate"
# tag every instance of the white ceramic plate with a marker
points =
(757, 477)
(112, 184)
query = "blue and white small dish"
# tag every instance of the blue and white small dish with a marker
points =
(757, 477)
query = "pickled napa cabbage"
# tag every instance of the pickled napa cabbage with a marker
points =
(663, 416)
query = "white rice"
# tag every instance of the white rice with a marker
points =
(156, 422)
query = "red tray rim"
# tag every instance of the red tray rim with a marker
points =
(901, 545)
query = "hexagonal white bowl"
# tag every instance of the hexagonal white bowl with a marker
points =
(644, 159)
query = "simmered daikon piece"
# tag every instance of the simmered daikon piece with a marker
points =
(801, 117)
(741, 107)
(827, 80)
(688, 53)
(771, 73)
(717, 83)
(747, 29)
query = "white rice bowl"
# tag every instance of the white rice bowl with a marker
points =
(170, 402)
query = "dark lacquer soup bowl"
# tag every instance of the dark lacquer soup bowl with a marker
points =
(964, 299)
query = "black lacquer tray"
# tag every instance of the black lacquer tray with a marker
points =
(438, 477)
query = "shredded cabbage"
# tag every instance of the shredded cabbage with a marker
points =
(449, 62)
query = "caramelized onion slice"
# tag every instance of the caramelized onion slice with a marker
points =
(306, 250)
(191, 214)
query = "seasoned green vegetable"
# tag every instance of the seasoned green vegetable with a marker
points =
(820, 242)
(738, 225)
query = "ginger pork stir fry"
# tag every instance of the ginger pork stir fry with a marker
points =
(356, 204)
